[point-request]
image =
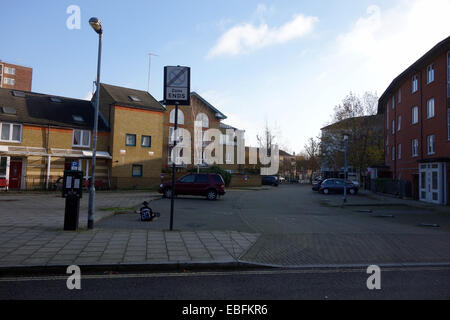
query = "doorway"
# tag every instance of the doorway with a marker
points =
(430, 183)
(15, 174)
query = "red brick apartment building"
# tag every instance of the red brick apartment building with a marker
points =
(416, 109)
(15, 77)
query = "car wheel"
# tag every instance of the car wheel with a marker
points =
(211, 195)
(168, 193)
(325, 191)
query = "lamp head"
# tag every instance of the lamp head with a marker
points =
(96, 24)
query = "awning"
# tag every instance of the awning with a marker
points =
(100, 154)
(63, 153)
(23, 151)
(71, 153)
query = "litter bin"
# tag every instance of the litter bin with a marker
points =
(72, 191)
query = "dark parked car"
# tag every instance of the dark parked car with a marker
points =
(337, 186)
(208, 185)
(270, 181)
(316, 185)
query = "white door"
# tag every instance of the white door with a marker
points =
(430, 183)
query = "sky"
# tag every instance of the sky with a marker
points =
(286, 62)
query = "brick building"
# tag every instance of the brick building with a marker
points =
(416, 111)
(41, 135)
(136, 122)
(198, 110)
(15, 77)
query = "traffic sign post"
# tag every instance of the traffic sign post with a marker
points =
(177, 85)
(177, 91)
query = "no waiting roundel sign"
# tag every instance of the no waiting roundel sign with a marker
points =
(177, 85)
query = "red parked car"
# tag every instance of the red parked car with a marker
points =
(209, 185)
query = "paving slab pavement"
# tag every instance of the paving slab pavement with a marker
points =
(24, 246)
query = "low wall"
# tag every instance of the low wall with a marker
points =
(238, 180)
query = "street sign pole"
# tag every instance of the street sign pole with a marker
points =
(177, 86)
(173, 167)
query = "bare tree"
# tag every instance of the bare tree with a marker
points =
(267, 138)
(312, 150)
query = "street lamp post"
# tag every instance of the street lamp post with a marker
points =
(345, 169)
(97, 26)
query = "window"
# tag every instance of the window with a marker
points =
(146, 141)
(180, 116)
(415, 84)
(204, 119)
(430, 144)
(10, 81)
(393, 153)
(415, 147)
(10, 132)
(448, 123)
(430, 108)
(228, 158)
(134, 98)
(136, 170)
(55, 99)
(415, 115)
(399, 97)
(218, 178)
(81, 138)
(430, 73)
(399, 124)
(130, 140)
(202, 178)
(77, 118)
(399, 150)
(188, 179)
(9, 110)
(448, 74)
(180, 137)
(3, 164)
(387, 117)
(393, 102)
(178, 156)
(393, 126)
(11, 71)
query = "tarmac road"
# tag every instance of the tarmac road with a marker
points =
(332, 284)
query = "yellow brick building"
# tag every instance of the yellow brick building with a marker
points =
(42, 135)
(136, 121)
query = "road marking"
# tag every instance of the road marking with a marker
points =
(224, 273)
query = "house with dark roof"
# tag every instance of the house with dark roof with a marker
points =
(41, 135)
(136, 122)
(416, 112)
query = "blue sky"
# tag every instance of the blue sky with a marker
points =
(285, 62)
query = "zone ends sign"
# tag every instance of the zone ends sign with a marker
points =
(177, 85)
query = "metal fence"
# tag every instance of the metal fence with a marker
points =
(399, 188)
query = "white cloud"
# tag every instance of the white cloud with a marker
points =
(248, 37)
(383, 43)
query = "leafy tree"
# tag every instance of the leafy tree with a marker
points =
(356, 118)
